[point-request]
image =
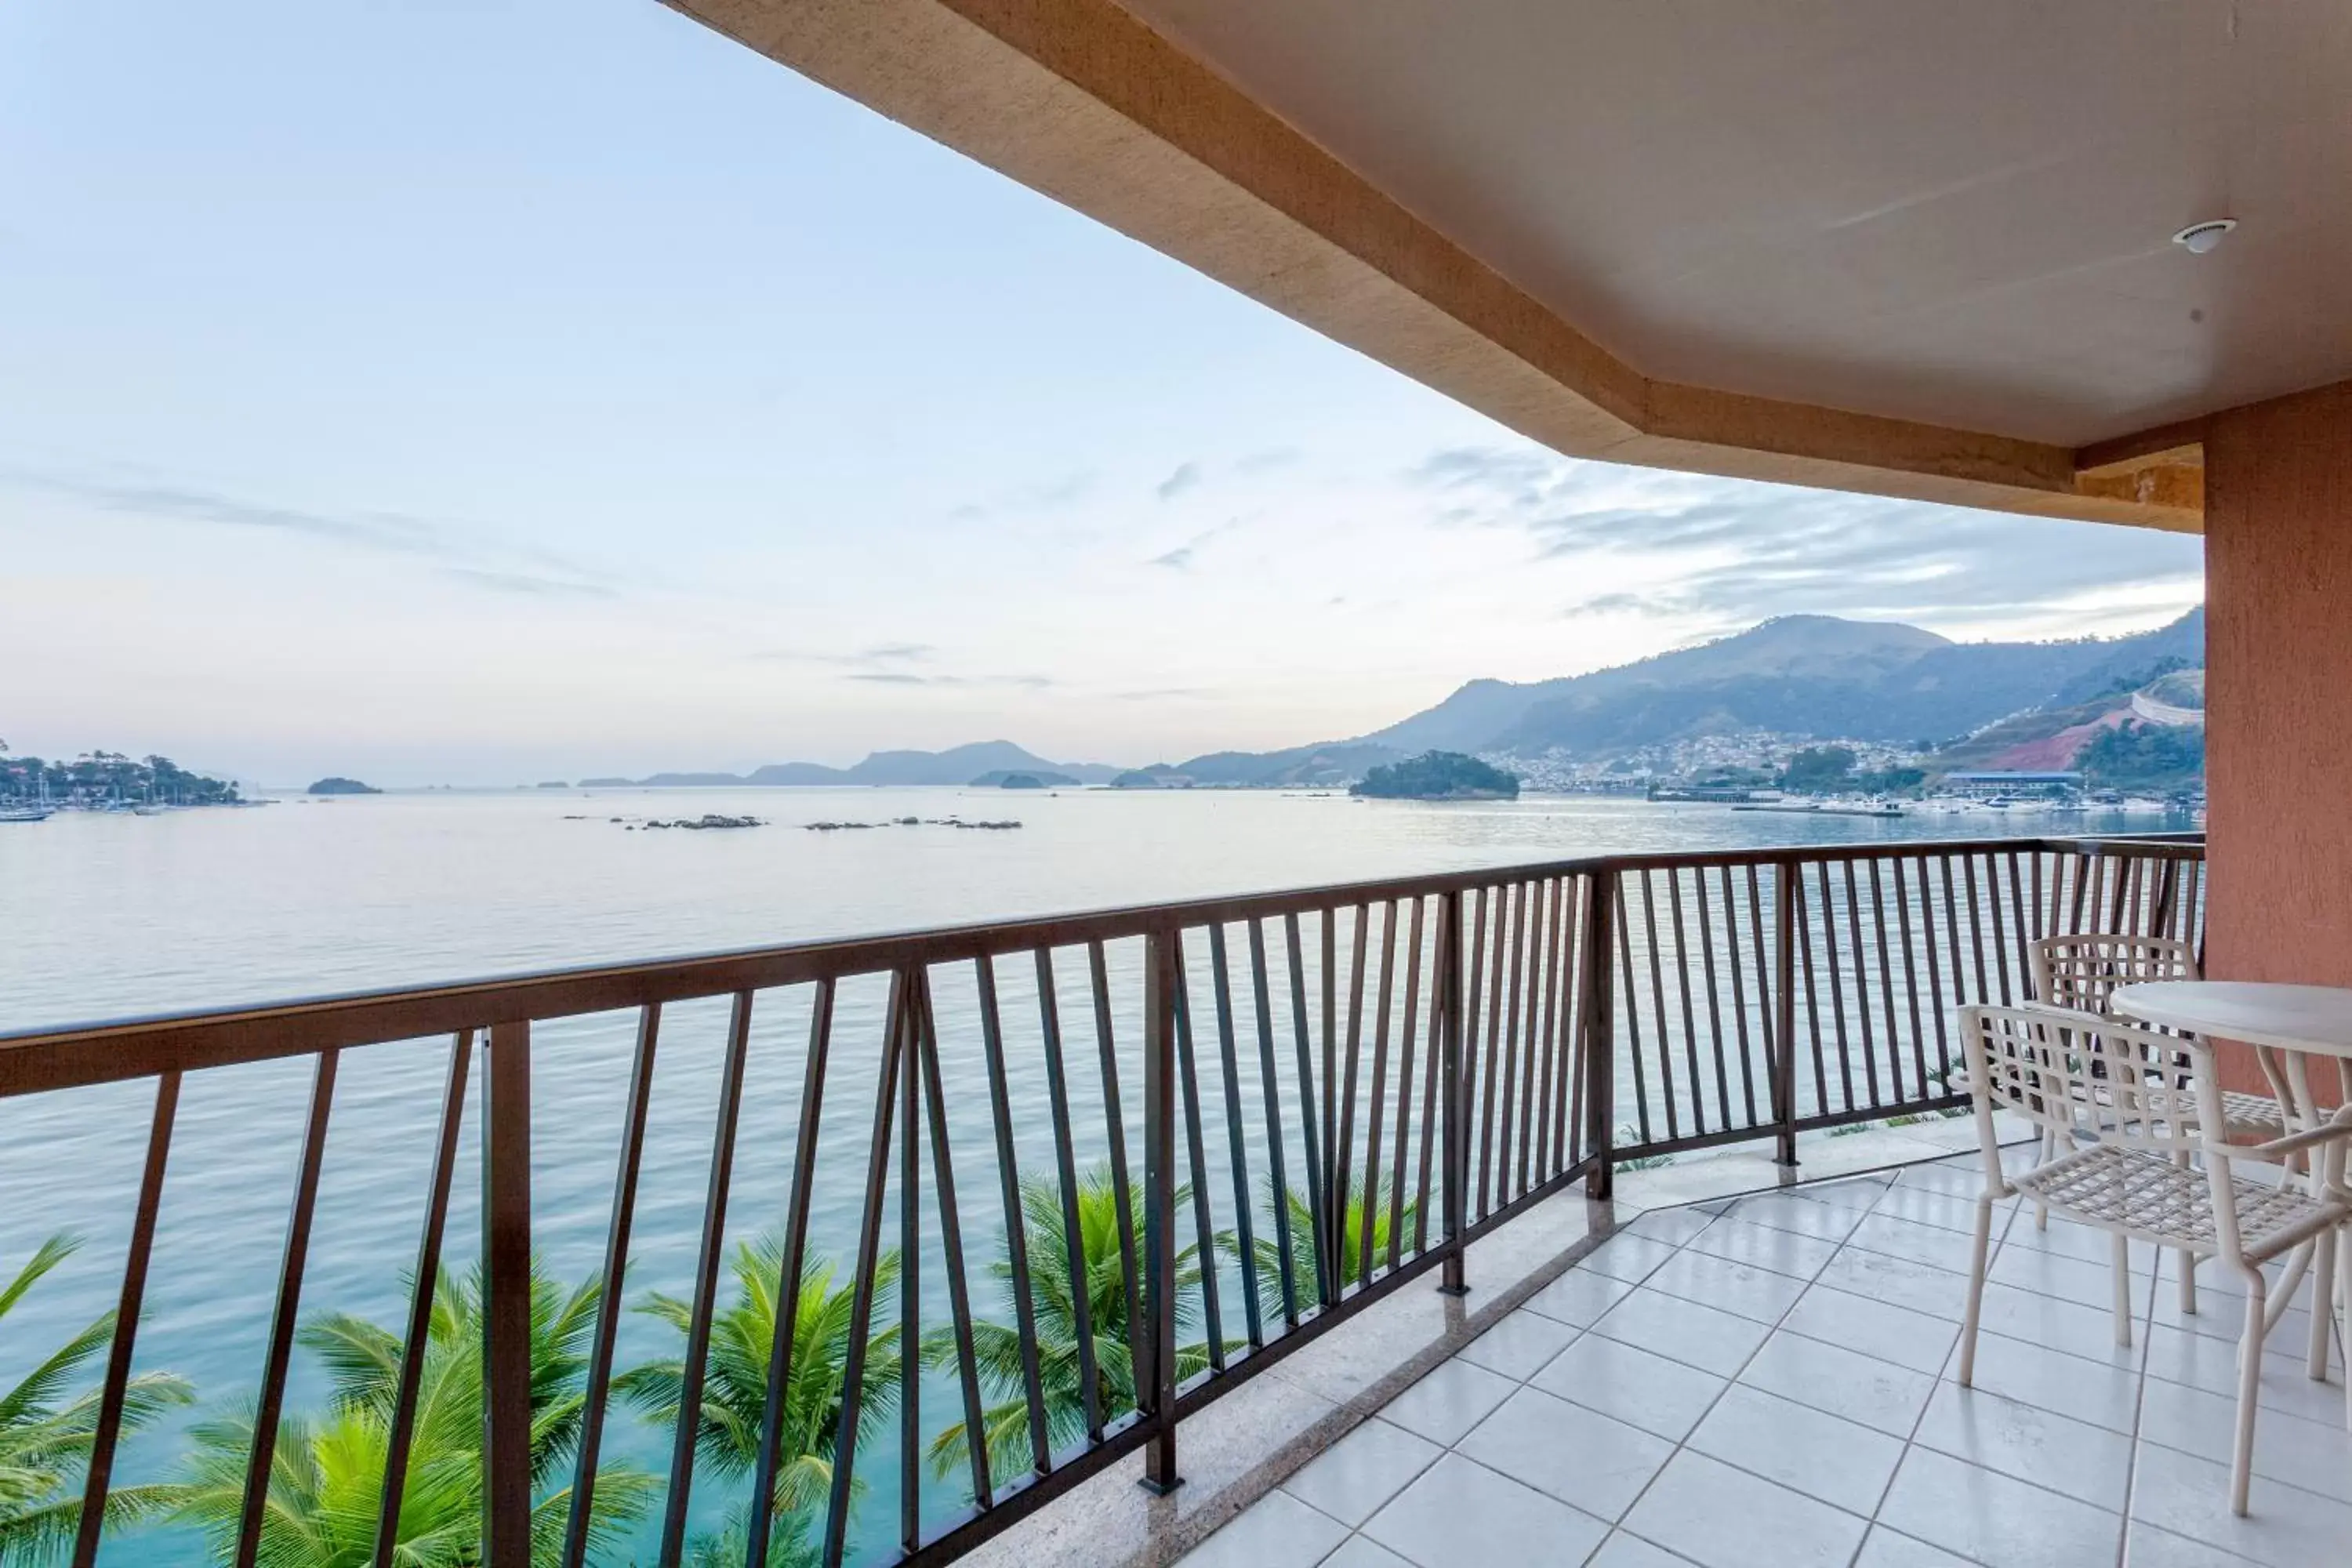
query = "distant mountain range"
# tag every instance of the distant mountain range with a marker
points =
(990, 760)
(1815, 676)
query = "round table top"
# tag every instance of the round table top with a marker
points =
(2315, 1018)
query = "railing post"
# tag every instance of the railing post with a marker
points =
(506, 1298)
(1159, 1400)
(1454, 1179)
(1788, 887)
(1596, 1028)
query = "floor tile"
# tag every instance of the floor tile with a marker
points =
(1993, 1519)
(1928, 1243)
(1784, 1211)
(2097, 1392)
(1860, 1194)
(1740, 1287)
(1623, 1550)
(1449, 1402)
(2068, 1326)
(1581, 1456)
(1460, 1512)
(1964, 1178)
(1673, 1227)
(1879, 1329)
(1351, 1479)
(1627, 1258)
(2314, 1455)
(1660, 1396)
(1937, 1292)
(1363, 1551)
(1723, 1518)
(2223, 1317)
(1519, 1345)
(1781, 1251)
(1579, 1297)
(2211, 1364)
(1945, 1211)
(1687, 1332)
(2068, 1279)
(1876, 1394)
(1802, 1448)
(2084, 1243)
(2286, 1526)
(2146, 1546)
(1276, 1532)
(1885, 1549)
(2088, 1463)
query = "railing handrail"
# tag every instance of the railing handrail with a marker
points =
(107, 1051)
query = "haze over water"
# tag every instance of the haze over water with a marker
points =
(114, 916)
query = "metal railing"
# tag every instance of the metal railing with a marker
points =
(1335, 1090)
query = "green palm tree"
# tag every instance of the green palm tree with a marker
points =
(326, 1477)
(46, 1438)
(735, 1388)
(1364, 1208)
(996, 1346)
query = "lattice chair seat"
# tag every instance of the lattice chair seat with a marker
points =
(2155, 1200)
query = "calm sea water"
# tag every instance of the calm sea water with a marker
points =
(107, 917)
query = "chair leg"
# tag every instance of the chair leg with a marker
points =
(1976, 1292)
(2123, 1291)
(2344, 1304)
(2250, 1378)
(2045, 1151)
(2323, 1314)
(2189, 1283)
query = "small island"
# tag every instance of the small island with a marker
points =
(1438, 775)
(335, 784)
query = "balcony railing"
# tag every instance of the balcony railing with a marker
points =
(1333, 1092)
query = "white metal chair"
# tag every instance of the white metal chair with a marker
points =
(2109, 1091)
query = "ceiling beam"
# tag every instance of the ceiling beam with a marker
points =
(1078, 100)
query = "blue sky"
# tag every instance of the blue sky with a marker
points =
(469, 392)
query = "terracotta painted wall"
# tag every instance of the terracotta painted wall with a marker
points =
(2278, 584)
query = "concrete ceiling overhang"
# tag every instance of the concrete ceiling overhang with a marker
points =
(1899, 246)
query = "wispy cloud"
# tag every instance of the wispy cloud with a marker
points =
(1182, 557)
(526, 584)
(1732, 552)
(1268, 460)
(908, 677)
(1176, 559)
(1186, 477)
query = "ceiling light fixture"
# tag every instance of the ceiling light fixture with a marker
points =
(2200, 238)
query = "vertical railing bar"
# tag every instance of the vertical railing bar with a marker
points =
(1658, 1008)
(1788, 912)
(1740, 1035)
(1436, 1082)
(1861, 982)
(2033, 862)
(507, 1298)
(2000, 937)
(1620, 917)
(1886, 980)
(609, 1287)
(1098, 983)
(1976, 927)
(943, 1192)
(1804, 936)
(768, 1461)
(98, 1473)
(1935, 974)
(1057, 1093)
(1714, 993)
(1545, 895)
(1526, 900)
(1188, 1078)
(1596, 1034)
(2017, 913)
(1697, 1080)
(1404, 1081)
(1335, 1214)
(420, 1304)
(869, 1259)
(1376, 1111)
(1270, 1081)
(1494, 1020)
(1556, 936)
(1344, 1151)
(910, 1265)
(710, 1264)
(1567, 1135)
(1016, 1227)
(1837, 981)
(1448, 1054)
(1911, 978)
(1156, 1396)
(1325, 1288)
(1764, 993)
(1236, 1148)
(289, 1300)
(1952, 932)
(2082, 864)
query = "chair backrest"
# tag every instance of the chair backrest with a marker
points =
(2081, 970)
(2079, 1077)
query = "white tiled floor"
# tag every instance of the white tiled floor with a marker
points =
(1768, 1381)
